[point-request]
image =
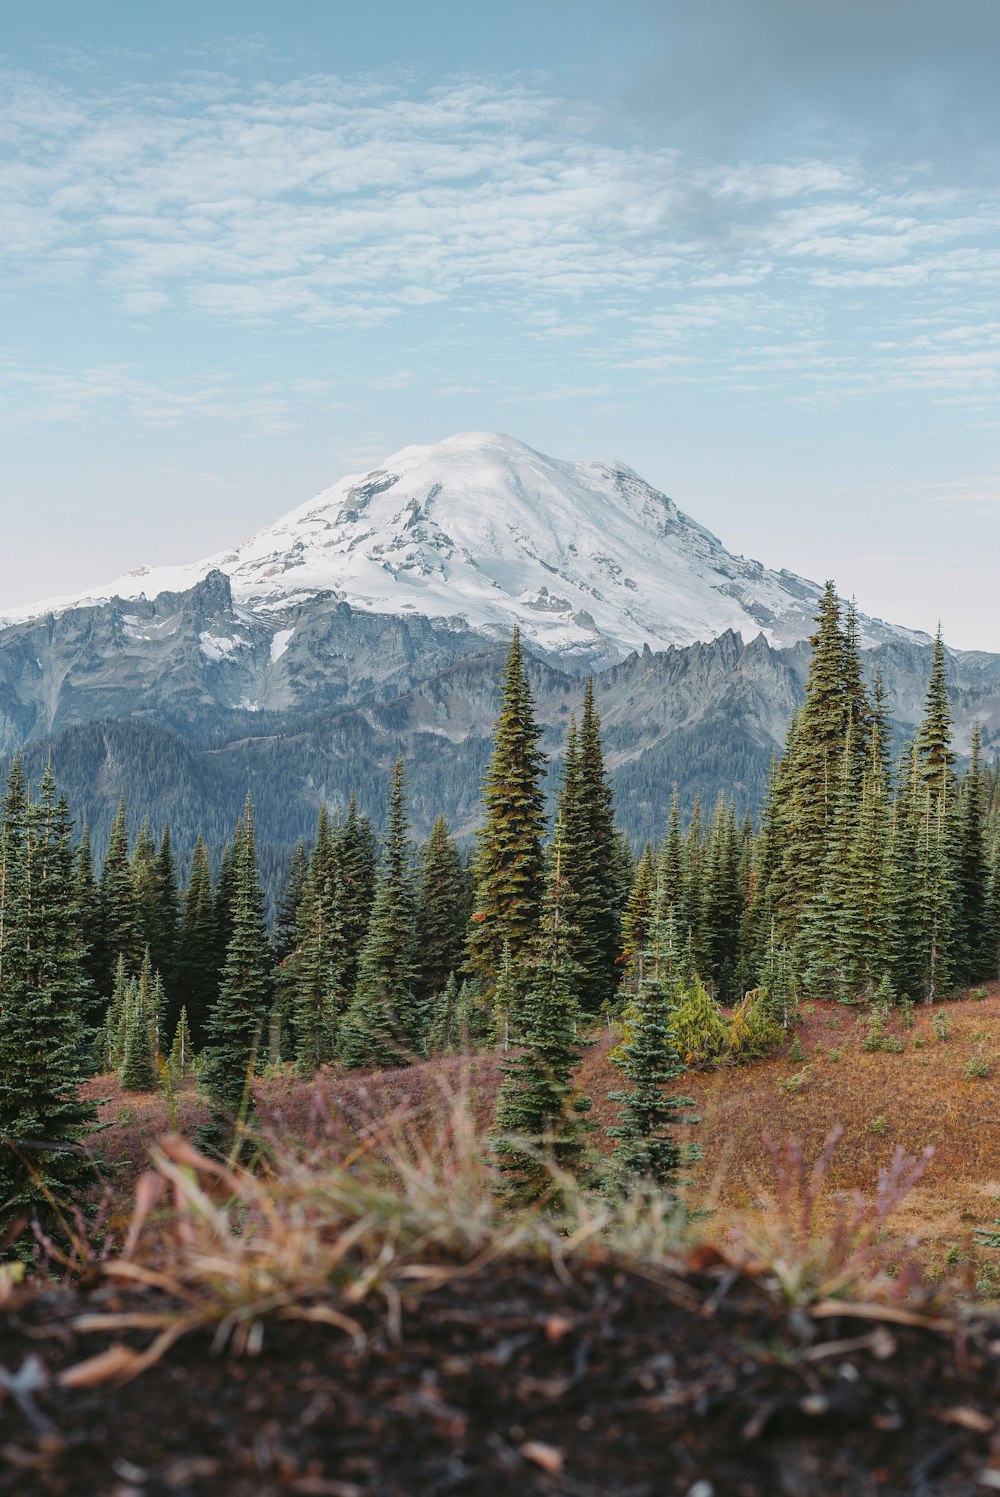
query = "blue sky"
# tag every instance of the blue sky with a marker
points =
(752, 249)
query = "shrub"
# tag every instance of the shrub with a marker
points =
(797, 1082)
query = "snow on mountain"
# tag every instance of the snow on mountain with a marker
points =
(588, 558)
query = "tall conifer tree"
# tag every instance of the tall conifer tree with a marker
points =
(509, 862)
(236, 1025)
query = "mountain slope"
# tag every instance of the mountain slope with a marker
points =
(481, 530)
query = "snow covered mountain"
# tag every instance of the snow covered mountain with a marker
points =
(481, 530)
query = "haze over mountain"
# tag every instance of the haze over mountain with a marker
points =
(482, 530)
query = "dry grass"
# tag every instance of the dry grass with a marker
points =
(920, 1096)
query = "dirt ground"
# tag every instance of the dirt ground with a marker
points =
(518, 1381)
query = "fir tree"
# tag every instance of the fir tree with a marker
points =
(289, 900)
(442, 1037)
(87, 934)
(384, 1026)
(973, 872)
(235, 1028)
(441, 912)
(117, 914)
(164, 925)
(356, 852)
(43, 998)
(182, 1054)
(509, 862)
(648, 1116)
(813, 776)
(197, 973)
(138, 1066)
(538, 1115)
(639, 918)
(598, 910)
(313, 975)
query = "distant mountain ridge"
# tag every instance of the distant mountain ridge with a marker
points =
(482, 531)
(369, 622)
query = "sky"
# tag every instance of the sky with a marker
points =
(753, 250)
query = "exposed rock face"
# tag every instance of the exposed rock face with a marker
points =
(376, 617)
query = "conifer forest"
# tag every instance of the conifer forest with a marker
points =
(871, 876)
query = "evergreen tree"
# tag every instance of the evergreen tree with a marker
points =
(313, 976)
(639, 918)
(384, 1025)
(197, 973)
(225, 898)
(164, 924)
(117, 913)
(44, 994)
(85, 898)
(138, 1066)
(509, 862)
(286, 915)
(236, 1025)
(442, 1036)
(973, 873)
(722, 904)
(356, 859)
(813, 776)
(935, 755)
(596, 874)
(441, 912)
(182, 1054)
(693, 901)
(648, 1116)
(538, 1115)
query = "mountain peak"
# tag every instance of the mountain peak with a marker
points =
(590, 559)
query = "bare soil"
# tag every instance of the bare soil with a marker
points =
(520, 1382)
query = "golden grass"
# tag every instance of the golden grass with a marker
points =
(915, 1098)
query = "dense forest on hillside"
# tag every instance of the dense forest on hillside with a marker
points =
(872, 878)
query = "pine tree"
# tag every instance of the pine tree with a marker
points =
(935, 755)
(117, 913)
(442, 1037)
(509, 861)
(973, 872)
(441, 913)
(197, 974)
(144, 885)
(224, 902)
(182, 1054)
(138, 1067)
(313, 977)
(864, 934)
(722, 904)
(598, 911)
(693, 901)
(934, 807)
(672, 859)
(506, 1005)
(44, 993)
(357, 858)
(164, 926)
(236, 1025)
(813, 776)
(85, 897)
(288, 903)
(384, 1025)
(539, 1112)
(639, 918)
(648, 1116)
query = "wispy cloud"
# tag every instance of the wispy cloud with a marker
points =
(355, 204)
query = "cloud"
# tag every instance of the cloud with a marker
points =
(350, 204)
